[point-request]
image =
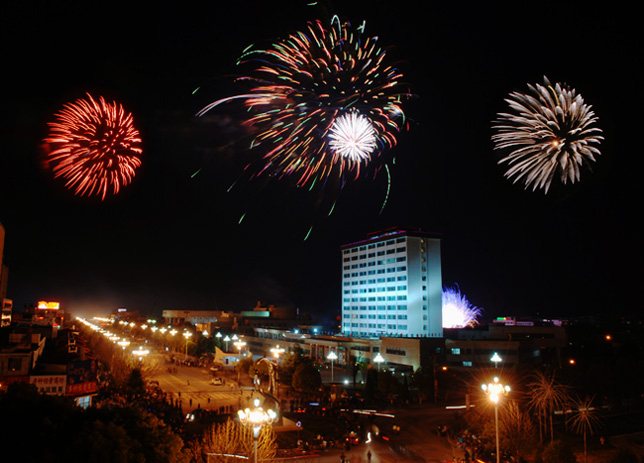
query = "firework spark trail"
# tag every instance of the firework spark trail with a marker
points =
(384, 202)
(322, 103)
(94, 147)
(457, 310)
(551, 130)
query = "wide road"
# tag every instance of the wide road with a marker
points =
(416, 442)
(192, 386)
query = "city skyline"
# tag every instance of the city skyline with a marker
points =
(177, 238)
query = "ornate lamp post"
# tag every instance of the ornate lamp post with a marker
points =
(123, 343)
(227, 340)
(140, 353)
(332, 357)
(239, 345)
(256, 418)
(494, 391)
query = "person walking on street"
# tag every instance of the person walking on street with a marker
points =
(368, 456)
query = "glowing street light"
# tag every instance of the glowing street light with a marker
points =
(494, 391)
(140, 353)
(239, 345)
(123, 343)
(186, 334)
(332, 357)
(496, 358)
(379, 359)
(256, 418)
(227, 340)
(277, 351)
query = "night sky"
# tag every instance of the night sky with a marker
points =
(173, 238)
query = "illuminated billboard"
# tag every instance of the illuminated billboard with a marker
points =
(48, 305)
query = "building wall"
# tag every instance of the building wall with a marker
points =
(176, 317)
(392, 285)
(478, 353)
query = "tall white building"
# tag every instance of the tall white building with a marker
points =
(392, 285)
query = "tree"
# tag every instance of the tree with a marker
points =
(388, 385)
(585, 420)
(306, 378)
(516, 430)
(243, 366)
(148, 438)
(359, 364)
(558, 452)
(289, 363)
(107, 434)
(224, 442)
(547, 396)
(134, 384)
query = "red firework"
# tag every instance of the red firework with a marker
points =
(94, 147)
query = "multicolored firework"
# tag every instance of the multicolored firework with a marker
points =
(457, 310)
(551, 130)
(94, 147)
(323, 103)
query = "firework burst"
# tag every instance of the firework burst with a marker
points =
(457, 310)
(550, 131)
(94, 147)
(322, 104)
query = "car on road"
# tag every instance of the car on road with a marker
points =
(352, 438)
(216, 381)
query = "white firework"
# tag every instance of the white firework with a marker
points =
(352, 137)
(551, 130)
(457, 310)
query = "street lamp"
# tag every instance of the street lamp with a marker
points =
(332, 357)
(277, 351)
(239, 345)
(494, 391)
(123, 343)
(227, 340)
(378, 359)
(256, 418)
(186, 334)
(140, 353)
(496, 358)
